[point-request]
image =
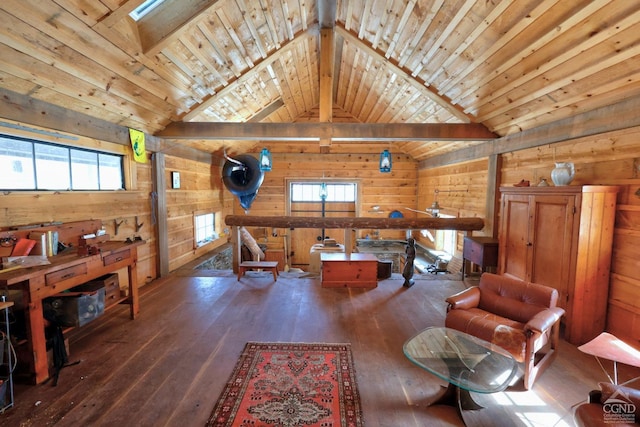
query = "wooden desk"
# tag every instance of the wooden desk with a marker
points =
(66, 271)
(480, 250)
(355, 270)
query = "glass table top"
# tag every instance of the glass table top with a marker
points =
(461, 359)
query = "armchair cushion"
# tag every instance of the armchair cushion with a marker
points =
(513, 298)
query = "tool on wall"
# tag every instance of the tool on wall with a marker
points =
(116, 225)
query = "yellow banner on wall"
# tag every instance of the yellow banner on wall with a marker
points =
(137, 143)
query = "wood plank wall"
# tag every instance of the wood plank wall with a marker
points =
(122, 207)
(611, 158)
(462, 191)
(390, 191)
(201, 191)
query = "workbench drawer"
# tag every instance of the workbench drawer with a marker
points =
(111, 286)
(117, 257)
(65, 273)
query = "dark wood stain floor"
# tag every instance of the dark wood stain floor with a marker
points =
(168, 367)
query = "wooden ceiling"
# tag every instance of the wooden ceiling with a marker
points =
(497, 66)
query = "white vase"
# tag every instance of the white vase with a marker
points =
(563, 173)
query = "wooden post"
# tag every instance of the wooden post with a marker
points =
(237, 248)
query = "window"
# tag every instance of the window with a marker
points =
(204, 228)
(36, 165)
(310, 192)
(147, 6)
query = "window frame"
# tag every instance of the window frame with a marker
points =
(215, 225)
(69, 164)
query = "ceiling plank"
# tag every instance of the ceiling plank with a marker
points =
(335, 131)
(165, 24)
(415, 81)
(249, 74)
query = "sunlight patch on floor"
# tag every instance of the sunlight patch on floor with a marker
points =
(532, 410)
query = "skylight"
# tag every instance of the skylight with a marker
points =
(146, 7)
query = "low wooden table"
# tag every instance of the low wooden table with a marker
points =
(258, 265)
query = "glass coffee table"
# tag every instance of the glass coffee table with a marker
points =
(467, 363)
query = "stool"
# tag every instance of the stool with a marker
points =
(264, 265)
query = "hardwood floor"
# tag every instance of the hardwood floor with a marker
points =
(168, 367)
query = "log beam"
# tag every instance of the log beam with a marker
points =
(463, 224)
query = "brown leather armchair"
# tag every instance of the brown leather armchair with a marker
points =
(519, 316)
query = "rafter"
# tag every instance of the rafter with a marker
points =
(415, 81)
(250, 73)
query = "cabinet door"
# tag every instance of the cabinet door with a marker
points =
(514, 236)
(553, 226)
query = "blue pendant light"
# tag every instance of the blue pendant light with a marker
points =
(323, 191)
(385, 161)
(265, 160)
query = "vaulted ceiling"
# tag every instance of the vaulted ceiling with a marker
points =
(482, 68)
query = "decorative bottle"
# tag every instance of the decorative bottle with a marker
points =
(563, 173)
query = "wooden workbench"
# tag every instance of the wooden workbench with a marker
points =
(65, 271)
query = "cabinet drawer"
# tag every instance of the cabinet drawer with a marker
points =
(65, 273)
(117, 257)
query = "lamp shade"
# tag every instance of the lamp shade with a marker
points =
(385, 161)
(265, 160)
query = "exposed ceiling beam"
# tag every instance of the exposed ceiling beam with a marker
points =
(589, 123)
(335, 131)
(327, 58)
(327, 19)
(267, 111)
(327, 13)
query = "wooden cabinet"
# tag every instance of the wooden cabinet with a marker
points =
(353, 270)
(562, 237)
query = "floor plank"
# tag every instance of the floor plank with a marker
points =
(168, 367)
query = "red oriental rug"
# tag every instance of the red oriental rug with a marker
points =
(290, 384)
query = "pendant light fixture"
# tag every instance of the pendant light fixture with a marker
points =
(265, 160)
(385, 161)
(323, 191)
